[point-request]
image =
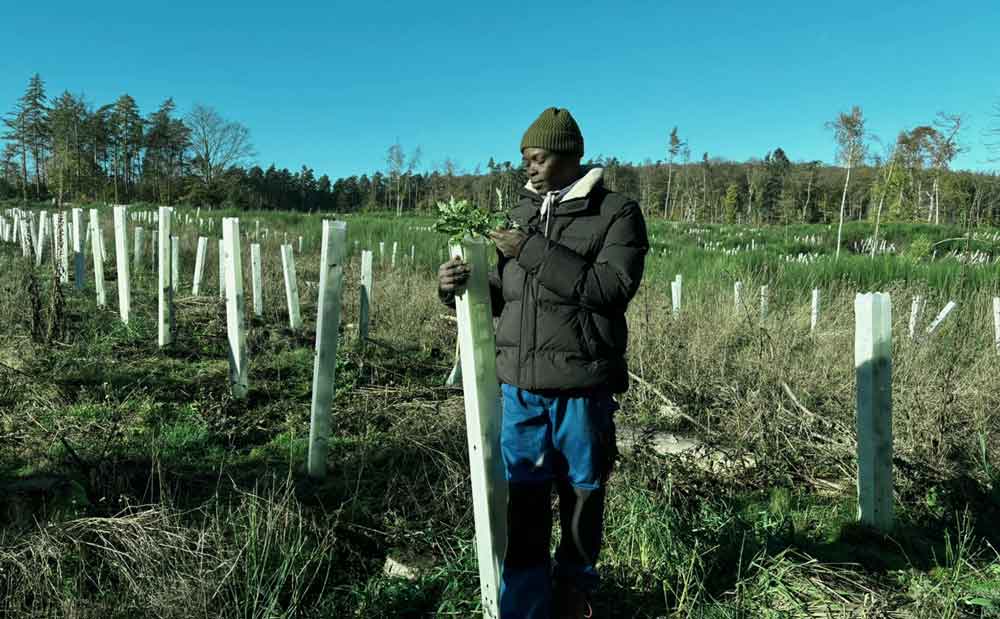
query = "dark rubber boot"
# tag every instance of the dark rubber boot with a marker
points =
(525, 591)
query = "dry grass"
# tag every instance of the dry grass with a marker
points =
(181, 515)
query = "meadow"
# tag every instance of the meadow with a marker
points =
(132, 483)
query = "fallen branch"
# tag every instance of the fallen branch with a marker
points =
(809, 413)
(674, 409)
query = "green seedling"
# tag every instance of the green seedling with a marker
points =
(462, 218)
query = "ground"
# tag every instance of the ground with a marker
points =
(133, 484)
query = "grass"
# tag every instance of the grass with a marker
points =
(132, 484)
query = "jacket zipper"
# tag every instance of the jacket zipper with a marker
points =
(526, 291)
(534, 331)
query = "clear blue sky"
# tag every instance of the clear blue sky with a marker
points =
(333, 84)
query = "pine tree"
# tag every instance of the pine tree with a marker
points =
(126, 140)
(35, 126)
(167, 139)
(66, 119)
(674, 146)
(28, 128)
(19, 144)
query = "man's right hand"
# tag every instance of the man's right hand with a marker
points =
(453, 276)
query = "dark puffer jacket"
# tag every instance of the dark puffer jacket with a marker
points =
(562, 301)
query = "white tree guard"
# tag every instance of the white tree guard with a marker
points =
(104, 248)
(78, 264)
(916, 309)
(737, 293)
(945, 311)
(456, 368)
(175, 263)
(140, 245)
(25, 227)
(873, 368)
(331, 277)
(199, 265)
(996, 323)
(814, 311)
(291, 288)
(222, 270)
(482, 418)
(43, 225)
(36, 223)
(85, 247)
(98, 257)
(365, 300)
(165, 296)
(60, 239)
(764, 293)
(235, 302)
(121, 262)
(256, 280)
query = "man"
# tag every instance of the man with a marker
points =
(566, 272)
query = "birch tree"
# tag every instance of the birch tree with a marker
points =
(993, 134)
(945, 148)
(849, 133)
(395, 159)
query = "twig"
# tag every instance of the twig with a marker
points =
(795, 400)
(84, 467)
(809, 413)
(674, 409)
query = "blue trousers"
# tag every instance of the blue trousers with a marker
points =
(567, 442)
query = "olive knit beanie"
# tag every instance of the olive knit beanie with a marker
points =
(555, 131)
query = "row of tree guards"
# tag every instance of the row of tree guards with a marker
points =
(477, 352)
(916, 309)
(475, 335)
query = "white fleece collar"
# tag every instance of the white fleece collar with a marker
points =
(580, 188)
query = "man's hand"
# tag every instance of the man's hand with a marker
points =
(453, 276)
(509, 241)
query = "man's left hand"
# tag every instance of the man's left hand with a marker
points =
(509, 241)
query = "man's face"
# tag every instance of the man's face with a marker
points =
(549, 171)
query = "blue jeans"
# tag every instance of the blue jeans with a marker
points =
(568, 441)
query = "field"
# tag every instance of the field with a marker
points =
(133, 484)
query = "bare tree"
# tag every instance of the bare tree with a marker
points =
(993, 134)
(945, 149)
(886, 180)
(395, 159)
(217, 143)
(411, 167)
(849, 131)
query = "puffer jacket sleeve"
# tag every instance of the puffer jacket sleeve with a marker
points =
(607, 284)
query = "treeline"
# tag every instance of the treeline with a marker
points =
(66, 149)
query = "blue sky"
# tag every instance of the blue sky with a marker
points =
(333, 84)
